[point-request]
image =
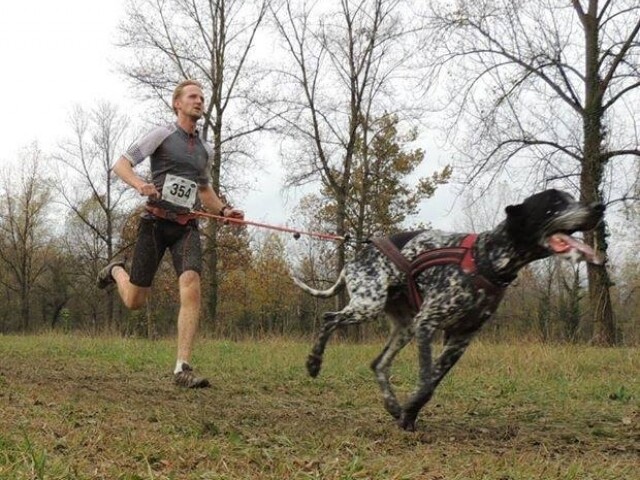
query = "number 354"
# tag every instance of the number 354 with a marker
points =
(180, 191)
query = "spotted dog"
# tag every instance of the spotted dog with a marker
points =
(454, 300)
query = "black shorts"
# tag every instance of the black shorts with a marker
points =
(154, 237)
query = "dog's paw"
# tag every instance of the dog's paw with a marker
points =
(314, 363)
(328, 317)
(406, 423)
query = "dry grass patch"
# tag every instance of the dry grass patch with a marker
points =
(81, 408)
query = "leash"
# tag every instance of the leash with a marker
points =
(296, 233)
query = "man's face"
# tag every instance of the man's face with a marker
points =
(191, 102)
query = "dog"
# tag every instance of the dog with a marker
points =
(458, 300)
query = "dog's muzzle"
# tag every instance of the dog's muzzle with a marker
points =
(566, 245)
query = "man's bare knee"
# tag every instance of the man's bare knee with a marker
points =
(190, 287)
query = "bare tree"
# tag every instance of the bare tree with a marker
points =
(211, 41)
(86, 187)
(24, 201)
(544, 93)
(344, 61)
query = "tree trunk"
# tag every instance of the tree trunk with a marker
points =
(152, 331)
(341, 231)
(24, 307)
(212, 248)
(212, 272)
(604, 325)
(604, 329)
(591, 179)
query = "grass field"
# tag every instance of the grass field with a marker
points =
(83, 408)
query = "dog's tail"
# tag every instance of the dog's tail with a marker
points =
(339, 285)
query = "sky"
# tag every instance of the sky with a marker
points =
(57, 55)
(63, 53)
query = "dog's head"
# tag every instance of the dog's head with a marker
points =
(547, 220)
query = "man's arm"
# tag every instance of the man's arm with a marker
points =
(212, 203)
(123, 169)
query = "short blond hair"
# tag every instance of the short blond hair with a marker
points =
(180, 88)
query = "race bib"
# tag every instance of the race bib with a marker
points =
(180, 191)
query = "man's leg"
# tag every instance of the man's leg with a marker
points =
(133, 296)
(188, 318)
(147, 255)
(187, 261)
(189, 314)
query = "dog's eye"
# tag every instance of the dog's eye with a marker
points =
(556, 206)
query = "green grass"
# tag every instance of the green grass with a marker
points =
(82, 408)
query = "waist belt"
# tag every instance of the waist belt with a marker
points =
(461, 255)
(181, 218)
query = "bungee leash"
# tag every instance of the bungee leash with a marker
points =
(296, 233)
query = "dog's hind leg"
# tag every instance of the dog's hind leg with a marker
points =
(368, 295)
(401, 335)
(314, 360)
(353, 314)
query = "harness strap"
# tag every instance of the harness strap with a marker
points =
(468, 263)
(461, 255)
(386, 246)
(181, 218)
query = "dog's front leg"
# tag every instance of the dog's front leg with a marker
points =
(400, 336)
(455, 345)
(424, 390)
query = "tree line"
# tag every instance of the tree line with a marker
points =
(530, 91)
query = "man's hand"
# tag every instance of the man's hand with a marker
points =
(230, 212)
(148, 190)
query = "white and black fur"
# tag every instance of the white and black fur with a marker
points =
(452, 303)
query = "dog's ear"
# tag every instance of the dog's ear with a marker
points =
(516, 216)
(516, 221)
(514, 211)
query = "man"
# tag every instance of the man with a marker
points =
(180, 163)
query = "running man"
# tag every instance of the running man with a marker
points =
(180, 166)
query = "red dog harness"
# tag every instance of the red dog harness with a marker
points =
(461, 255)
